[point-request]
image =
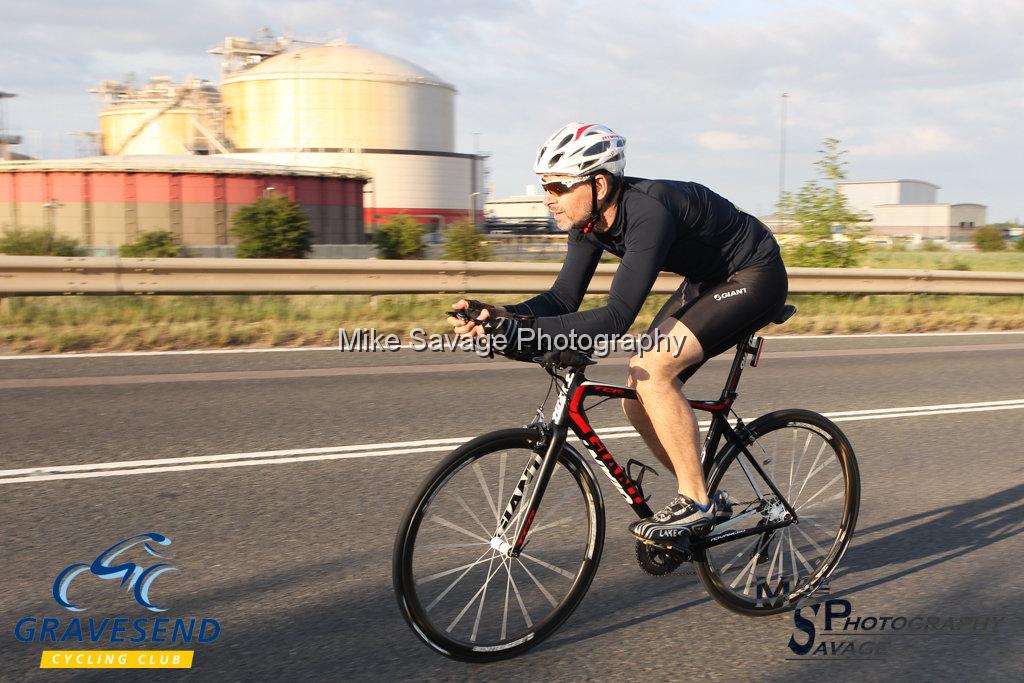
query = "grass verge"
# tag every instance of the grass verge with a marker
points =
(65, 324)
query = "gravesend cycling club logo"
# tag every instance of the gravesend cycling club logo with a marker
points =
(831, 630)
(133, 564)
(137, 578)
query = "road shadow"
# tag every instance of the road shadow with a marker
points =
(934, 537)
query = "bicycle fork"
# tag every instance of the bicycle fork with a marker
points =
(539, 469)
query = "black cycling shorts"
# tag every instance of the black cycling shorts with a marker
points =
(721, 314)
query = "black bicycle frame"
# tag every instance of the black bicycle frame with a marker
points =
(569, 413)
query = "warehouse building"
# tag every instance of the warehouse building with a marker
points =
(104, 202)
(910, 208)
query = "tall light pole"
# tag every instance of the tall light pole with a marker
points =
(782, 149)
(472, 207)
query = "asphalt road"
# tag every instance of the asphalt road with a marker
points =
(286, 540)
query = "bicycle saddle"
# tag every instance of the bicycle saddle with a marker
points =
(785, 314)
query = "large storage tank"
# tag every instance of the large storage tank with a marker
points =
(340, 105)
(160, 117)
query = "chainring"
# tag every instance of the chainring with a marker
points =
(658, 562)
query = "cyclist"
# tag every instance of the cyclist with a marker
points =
(735, 282)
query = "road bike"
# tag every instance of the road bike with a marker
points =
(504, 537)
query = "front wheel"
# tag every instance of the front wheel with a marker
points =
(811, 463)
(458, 586)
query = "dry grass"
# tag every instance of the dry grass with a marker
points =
(63, 324)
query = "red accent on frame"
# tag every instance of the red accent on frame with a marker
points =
(709, 406)
(597, 449)
(526, 528)
(760, 348)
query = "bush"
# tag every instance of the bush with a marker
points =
(36, 242)
(464, 242)
(399, 238)
(154, 244)
(824, 255)
(272, 227)
(988, 238)
(933, 245)
(1020, 243)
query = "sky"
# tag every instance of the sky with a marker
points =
(922, 89)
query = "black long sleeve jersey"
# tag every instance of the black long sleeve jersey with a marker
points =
(661, 225)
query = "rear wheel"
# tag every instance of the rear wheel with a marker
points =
(812, 465)
(456, 583)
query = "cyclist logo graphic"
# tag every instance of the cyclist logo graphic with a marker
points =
(134, 577)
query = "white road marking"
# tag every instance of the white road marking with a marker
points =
(280, 457)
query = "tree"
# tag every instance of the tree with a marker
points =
(154, 244)
(272, 227)
(399, 238)
(817, 208)
(463, 242)
(988, 238)
(36, 242)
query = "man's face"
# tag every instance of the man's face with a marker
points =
(571, 209)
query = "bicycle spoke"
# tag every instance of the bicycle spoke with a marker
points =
(455, 527)
(519, 598)
(771, 565)
(810, 540)
(469, 604)
(443, 546)
(542, 527)
(792, 555)
(487, 491)
(835, 496)
(501, 482)
(480, 607)
(504, 613)
(808, 519)
(452, 584)
(540, 586)
(471, 513)
(812, 471)
(822, 490)
(547, 565)
(738, 555)
(748, 566)
(803, 560)
(447, 572)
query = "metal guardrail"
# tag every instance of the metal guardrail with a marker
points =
(49, 275)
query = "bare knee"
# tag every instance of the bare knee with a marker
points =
(653, 374)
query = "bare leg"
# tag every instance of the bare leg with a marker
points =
(663, 417)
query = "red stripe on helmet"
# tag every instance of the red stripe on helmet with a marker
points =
(580, 131)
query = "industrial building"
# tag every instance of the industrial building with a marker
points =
(314, 120)
(910, 208)
(519, 213)
(108, 201)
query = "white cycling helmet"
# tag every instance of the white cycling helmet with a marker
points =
(581, 149)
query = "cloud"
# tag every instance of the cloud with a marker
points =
(722, 140)
(920, 88)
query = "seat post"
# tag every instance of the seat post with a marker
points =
(729, 392)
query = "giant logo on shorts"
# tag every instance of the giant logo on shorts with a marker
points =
(726, 295)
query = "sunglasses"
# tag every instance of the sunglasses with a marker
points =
(557, 188)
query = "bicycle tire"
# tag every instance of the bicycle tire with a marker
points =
(788, 594)
(411, 587)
